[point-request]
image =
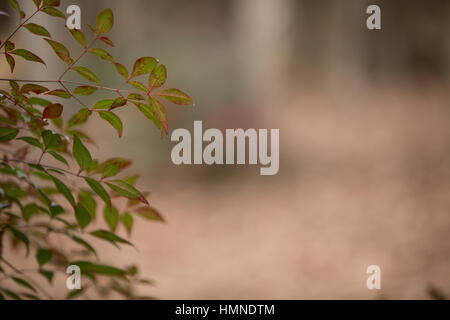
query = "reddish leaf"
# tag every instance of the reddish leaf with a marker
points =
(52, 111)
(107, 41)
(59, 93)
(119, 102)
(27, 88)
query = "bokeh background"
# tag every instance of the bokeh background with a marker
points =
(364, 121)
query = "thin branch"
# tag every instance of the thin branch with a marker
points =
(72, 95)
(71, 82)
(45, 167)
(78, 59)
(28, 278)
(17, 29)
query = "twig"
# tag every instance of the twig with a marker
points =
(28, 278)
(17, 29)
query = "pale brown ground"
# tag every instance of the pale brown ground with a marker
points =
(364, 179)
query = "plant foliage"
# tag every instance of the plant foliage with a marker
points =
(39, 203)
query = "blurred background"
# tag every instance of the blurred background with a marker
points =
(364, 144)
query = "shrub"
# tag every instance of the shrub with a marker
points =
(40, 203)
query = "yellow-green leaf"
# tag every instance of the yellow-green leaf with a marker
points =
(27, 55)
(175, 96)
(113, 119)
(105, 21)
(81, 154)
(87, 74)
(60, 50)
(143, 65)
(37, 29)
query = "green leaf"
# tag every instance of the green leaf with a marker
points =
(53, 12)
(37, 29)
(16, 7)
(27, 55)
(29, 210)
(11, 294)
(105, 21)
(39, 101)
(85, 90)
(143, 65)
(51, 3)
(51, 140)
(86, 198)
(126, 190)
(109, 236)
(19, 235)
(48, 275)
(104, 104)
(176, 96)
(65, 191)
(128, 221)
(121, 69)
(102, 54)
(89, 267)
(58, 157)
(111, 215)
(99, 190)
(146, 111)
(11, 61)
(32, 141)
(43, 256)
(113, 119)
(83, 216)
(59, 93)
(79, 36)
(111, 169)
(80, 117)
(60, 50)
(157, 78)
(148, 213)
(81, 154)
(52, 111)
(74, 294)
(159, 112)
(7, 134)
(35, 88)
(23, 283)
(83, 243)
(87, 74)
(138, 85)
